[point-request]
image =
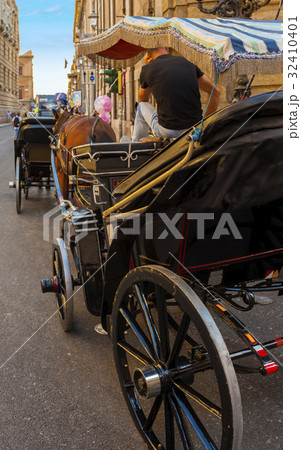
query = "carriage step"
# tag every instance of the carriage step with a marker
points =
(84, 218)
(85, 230)
(85, 222)
(77, 216)
(86, 226)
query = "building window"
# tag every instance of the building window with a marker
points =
(20, 70)
(20, 93)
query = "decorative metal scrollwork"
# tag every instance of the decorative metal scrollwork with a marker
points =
(234, 8)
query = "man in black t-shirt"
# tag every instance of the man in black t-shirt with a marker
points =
(175, 84)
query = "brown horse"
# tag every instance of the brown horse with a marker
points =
(74, 130)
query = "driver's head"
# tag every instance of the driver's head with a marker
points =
(153, 53)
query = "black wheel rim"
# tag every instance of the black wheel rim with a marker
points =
(58, 272)
(18, 184)
(155, 326)
(26, 182)
(64, 294)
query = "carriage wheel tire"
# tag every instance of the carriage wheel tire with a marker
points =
(26, 182)
(174, 368)
(18, 184)
(64, 296)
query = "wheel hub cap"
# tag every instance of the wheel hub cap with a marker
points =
(148, 381)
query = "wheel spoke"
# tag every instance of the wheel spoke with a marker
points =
(200, 399)
(134, 352)
(55, 263)
(163, 323)
(60, 306)
(148, 319)
(188, 340)
(60, 268)
(169, 424)
(62, 287)
(153, 414)
(138, 332)
(193, 368)
(180, 338)
(193, 419)
(181, 424)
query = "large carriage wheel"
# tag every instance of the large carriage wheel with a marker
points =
(174, 368)
(64, 285)
(18, 183)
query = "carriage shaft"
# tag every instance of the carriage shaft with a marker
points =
(248, 352)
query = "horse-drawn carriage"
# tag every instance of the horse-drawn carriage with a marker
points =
(32, 156)
(167, 242)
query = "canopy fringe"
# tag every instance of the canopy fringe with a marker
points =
(166, 35)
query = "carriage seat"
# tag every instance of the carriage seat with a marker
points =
(111, 157)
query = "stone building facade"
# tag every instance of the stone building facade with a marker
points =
(26, 93)
(186, 8)
(9, 62)
(92, 17)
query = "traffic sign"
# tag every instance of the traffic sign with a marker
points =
(92, 77)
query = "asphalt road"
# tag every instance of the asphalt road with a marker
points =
(60, 390)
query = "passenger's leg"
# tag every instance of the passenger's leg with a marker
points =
(146, 118)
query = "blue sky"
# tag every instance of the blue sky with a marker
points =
(46, 28)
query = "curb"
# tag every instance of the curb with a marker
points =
(5, 124)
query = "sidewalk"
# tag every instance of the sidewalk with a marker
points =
(5, 124)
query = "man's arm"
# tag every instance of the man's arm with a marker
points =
(144, 95)
(206, 85)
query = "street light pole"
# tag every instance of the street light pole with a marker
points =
(93, 17)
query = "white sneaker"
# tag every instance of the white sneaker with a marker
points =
(125, 139)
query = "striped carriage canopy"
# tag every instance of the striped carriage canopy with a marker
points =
(234, 45)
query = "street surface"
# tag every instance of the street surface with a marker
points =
(60, 390)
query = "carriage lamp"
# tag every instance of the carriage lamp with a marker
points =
(234, 8)
(79, 63)
(94, 19)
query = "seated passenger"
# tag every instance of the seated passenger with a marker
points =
(175, 84)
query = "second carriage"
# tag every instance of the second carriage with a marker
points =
(32, 156)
